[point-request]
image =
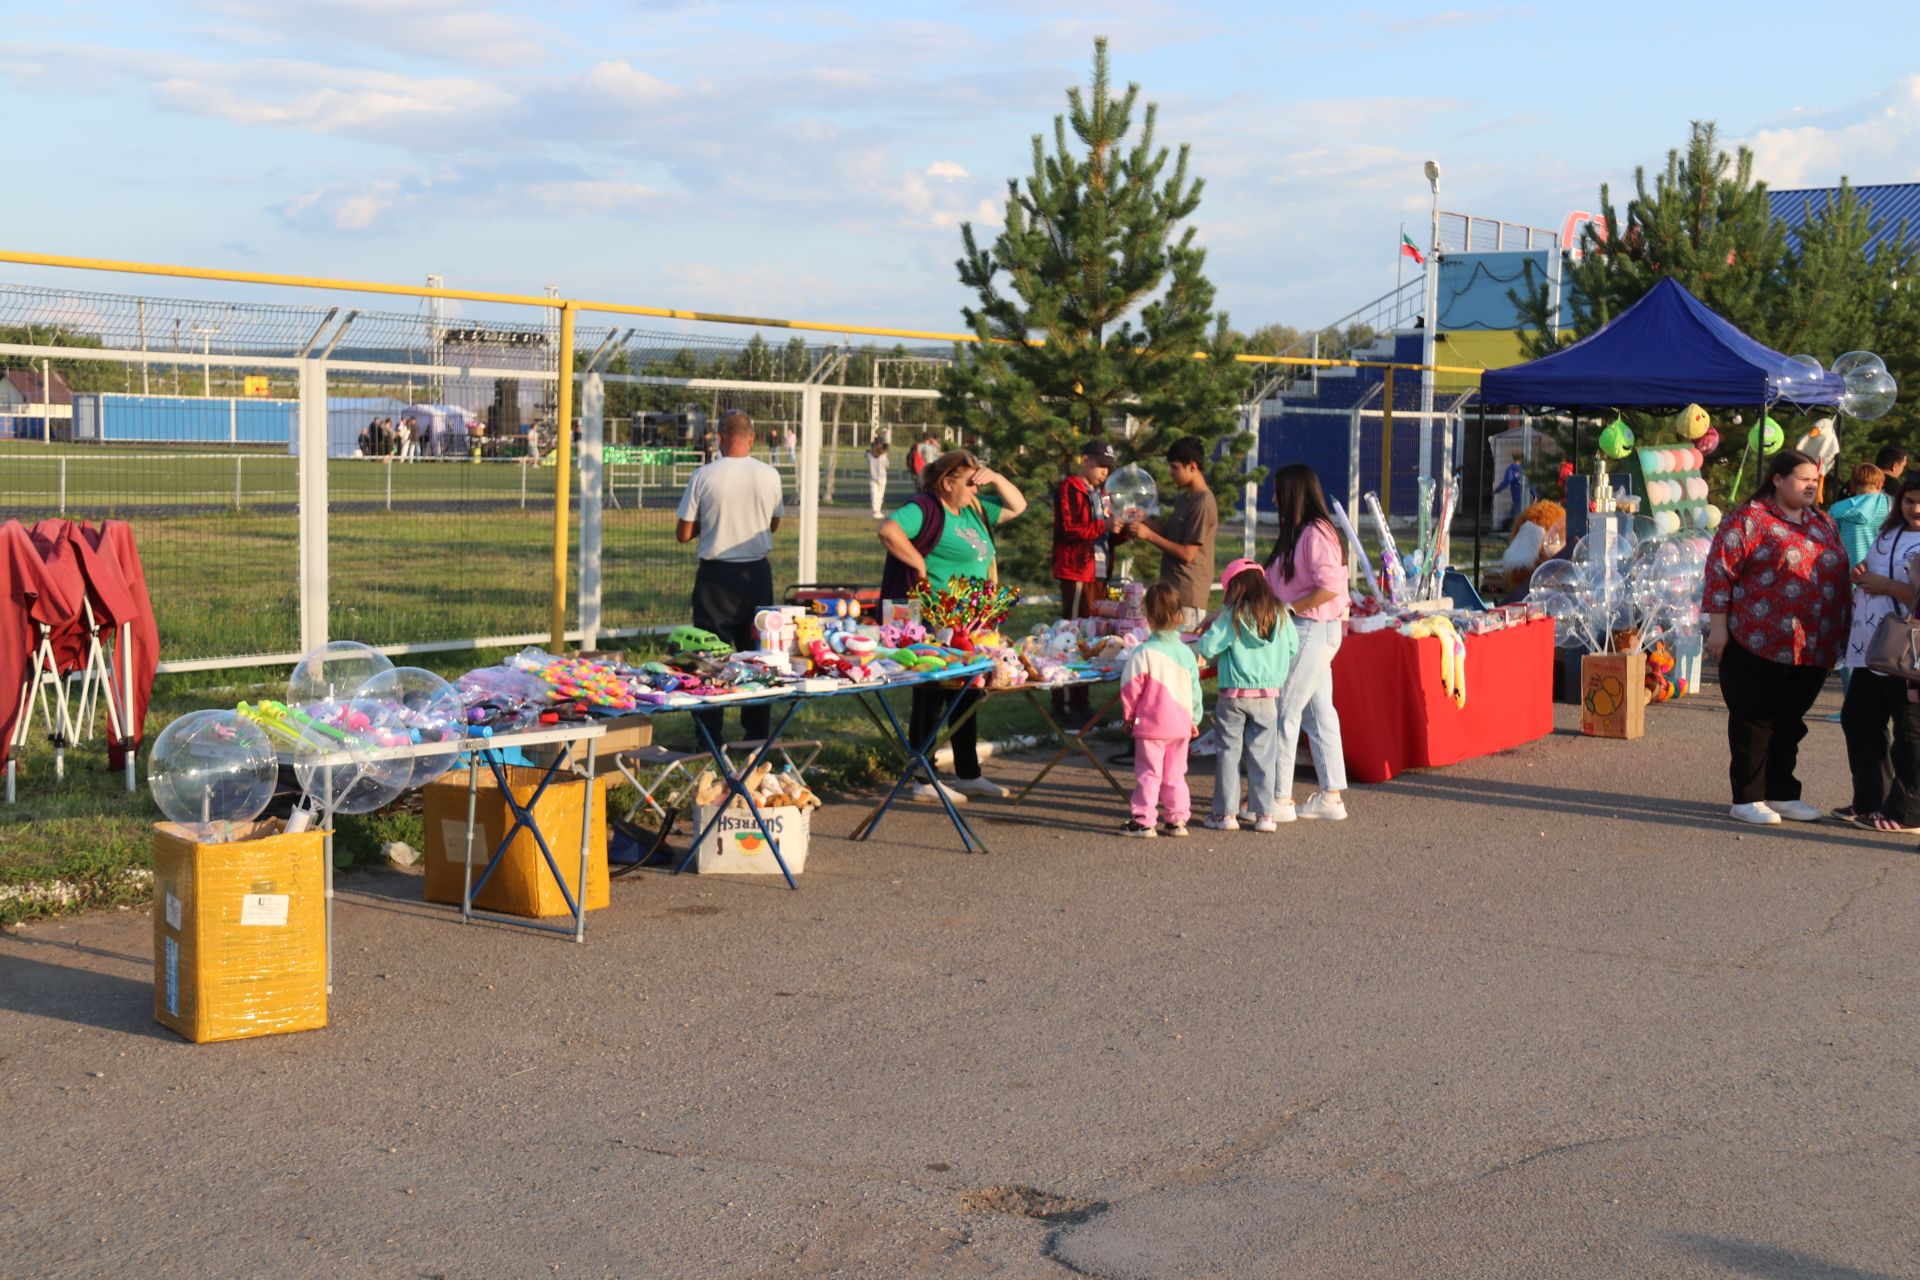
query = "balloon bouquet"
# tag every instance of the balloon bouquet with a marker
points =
(1616, 590)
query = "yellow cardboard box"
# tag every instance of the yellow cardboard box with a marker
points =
(521, 885)
(239, 932)
(1613, 695)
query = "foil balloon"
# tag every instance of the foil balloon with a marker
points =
(1709, 442)
(1617, 440)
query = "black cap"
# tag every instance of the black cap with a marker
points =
(1101, 452)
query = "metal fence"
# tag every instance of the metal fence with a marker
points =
(268, 523)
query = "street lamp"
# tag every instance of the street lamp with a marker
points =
(1429, 322)
(206, 332)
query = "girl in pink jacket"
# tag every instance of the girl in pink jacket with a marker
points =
(1160, 698)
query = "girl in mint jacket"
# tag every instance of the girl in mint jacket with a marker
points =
(1255, 641)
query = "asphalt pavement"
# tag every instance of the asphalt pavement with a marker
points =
(1544, 1014)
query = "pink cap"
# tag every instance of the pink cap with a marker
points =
(1237, 568)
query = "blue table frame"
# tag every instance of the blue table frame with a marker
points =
(566, 737)
(917, 757)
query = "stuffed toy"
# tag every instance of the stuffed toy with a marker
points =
(1661, 684)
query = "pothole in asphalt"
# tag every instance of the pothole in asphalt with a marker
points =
(1029, 1202)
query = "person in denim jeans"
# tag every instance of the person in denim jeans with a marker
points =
(1308, 571)
(1254, 640)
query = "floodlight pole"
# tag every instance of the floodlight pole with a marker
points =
(1430, 323)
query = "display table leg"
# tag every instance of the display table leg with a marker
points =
(919, 759)
(1075, 741)
(736, 786)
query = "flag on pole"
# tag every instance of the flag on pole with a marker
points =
(1407, 250)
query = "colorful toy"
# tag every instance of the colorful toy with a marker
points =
(836, 607)
(1692, 423)
(1616, 441)
(1662, 686)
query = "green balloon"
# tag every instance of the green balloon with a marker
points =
(1766, 437)
(1617, 440)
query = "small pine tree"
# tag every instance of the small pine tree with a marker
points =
(1107, 316)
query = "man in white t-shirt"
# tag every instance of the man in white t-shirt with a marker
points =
(733, 506)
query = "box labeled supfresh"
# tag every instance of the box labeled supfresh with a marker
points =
(737, 846)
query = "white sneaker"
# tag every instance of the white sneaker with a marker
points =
(1757, 813)
(1207, 744)
(1322, 805)
(984, 787)
(1228, 823)
(924, 791)
(1266, 824)
(1795, 810)
(1283, 811)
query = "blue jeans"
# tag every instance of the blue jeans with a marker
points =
(1248, 721)
(1307, 700)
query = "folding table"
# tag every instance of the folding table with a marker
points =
(790, 700)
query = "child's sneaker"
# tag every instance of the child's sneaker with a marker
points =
(1322, 805)
(1175, 830)
(1227, 823)
(1138, 829)
(1266, 824)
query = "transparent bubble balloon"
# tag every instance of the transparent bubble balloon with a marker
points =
(1589, 550)
(334, 672)
(209, 768)
(1813, 371)
(340, 763)
(1847, 363)
(1133, 493)
(417, 709)
(1870, 393)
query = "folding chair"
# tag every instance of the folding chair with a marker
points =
(750, 748)
(658, 774)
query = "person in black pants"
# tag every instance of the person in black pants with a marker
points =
(1886, 779)
(1778, 603)
(733, 506)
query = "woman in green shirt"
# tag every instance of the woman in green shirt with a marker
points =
(946, 531)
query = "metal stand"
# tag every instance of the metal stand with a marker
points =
(736, 786)
(1075, 741)
(919, 760)
(523, 817)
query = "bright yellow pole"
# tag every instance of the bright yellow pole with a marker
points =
(562, 481)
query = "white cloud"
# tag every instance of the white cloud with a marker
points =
(453, 31)
(946, 169)
(1871, 141)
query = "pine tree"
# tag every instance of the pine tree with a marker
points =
(1106, 316)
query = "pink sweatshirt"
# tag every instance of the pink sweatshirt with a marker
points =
(1316, 564)
(1160, 688)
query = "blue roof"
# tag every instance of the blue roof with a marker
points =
(1667, 349)
(1889, 203)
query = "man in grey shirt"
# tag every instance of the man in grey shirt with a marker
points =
(733, 506)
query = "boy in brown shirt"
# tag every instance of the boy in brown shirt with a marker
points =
(1186, 535)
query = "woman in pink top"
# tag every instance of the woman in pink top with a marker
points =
(1308, 570)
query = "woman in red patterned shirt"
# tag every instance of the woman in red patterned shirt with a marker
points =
(1779, 601)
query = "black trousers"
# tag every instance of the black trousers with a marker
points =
(726, 595)
(929, 700)
(1884, 780)
(1767, 705)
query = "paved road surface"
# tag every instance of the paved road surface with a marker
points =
(1547, 1014)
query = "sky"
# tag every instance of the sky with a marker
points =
(816, 161)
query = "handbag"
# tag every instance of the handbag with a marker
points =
(1895, 647)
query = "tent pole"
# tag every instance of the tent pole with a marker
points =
(1480, 492)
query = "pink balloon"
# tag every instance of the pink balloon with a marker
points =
(1710, 441)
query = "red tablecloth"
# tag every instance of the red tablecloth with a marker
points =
(1394, 714)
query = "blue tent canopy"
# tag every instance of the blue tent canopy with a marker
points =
(1666, 349)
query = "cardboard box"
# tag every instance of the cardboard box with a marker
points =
(522, 885)
(1686, 664)
(1613, 695)
(239, 932)
(736, 847)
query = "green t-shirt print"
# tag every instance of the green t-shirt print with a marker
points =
(965, 549)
